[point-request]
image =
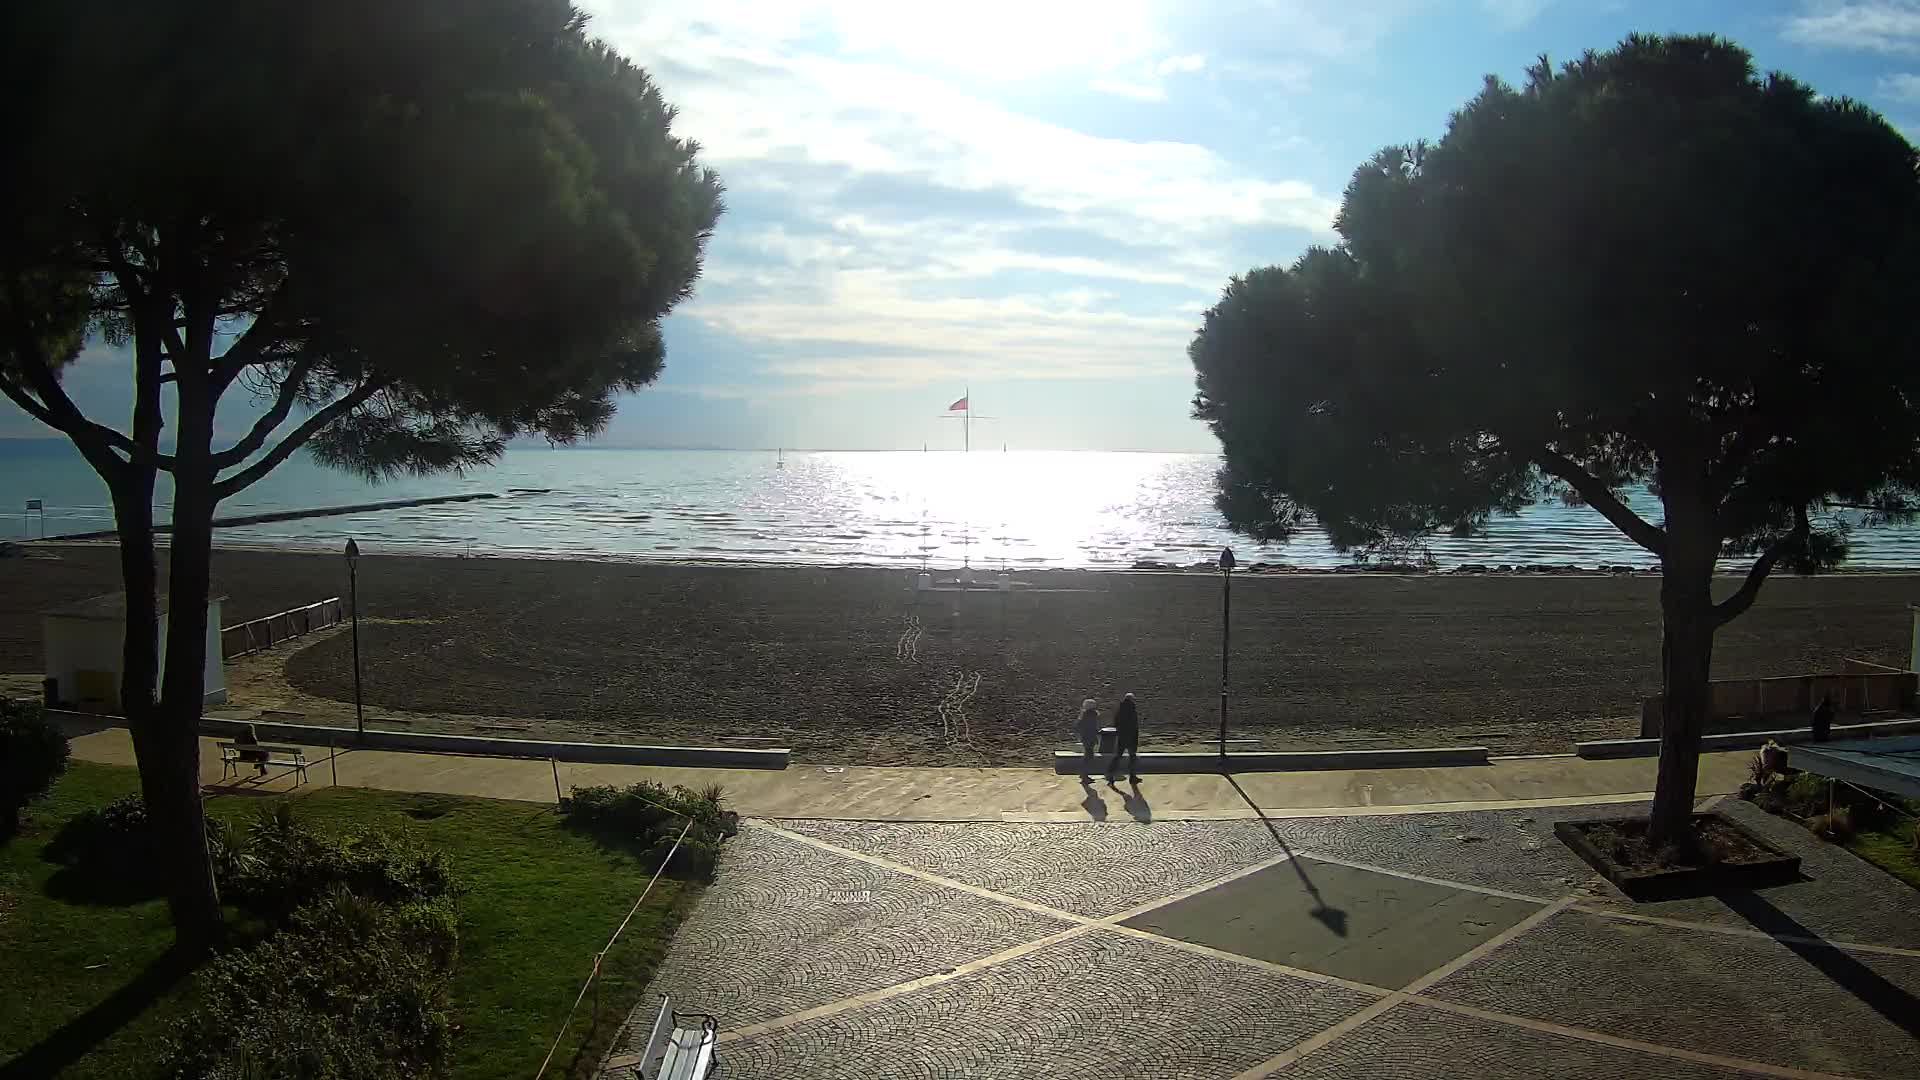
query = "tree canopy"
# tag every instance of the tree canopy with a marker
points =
(397, 232)
(1651, 265)
(427, 226)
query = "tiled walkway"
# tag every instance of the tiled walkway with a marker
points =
(1417, 946)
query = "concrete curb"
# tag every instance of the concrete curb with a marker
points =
(1069, 762)
(688, 757)
(1744, 740)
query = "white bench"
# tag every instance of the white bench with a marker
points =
(234, 755)
(677, 1052)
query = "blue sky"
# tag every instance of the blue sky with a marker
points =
(1037, 199)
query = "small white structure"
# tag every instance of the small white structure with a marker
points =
(84, 643)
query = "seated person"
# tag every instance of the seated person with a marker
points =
(251, 738)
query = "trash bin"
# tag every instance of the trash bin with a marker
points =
(1109, 740)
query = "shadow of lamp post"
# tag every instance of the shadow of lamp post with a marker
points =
(353, 603)
(1226, 613)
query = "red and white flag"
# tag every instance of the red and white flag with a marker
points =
(958, 406)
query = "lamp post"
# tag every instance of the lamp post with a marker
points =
(353, 602)
(1226, 613)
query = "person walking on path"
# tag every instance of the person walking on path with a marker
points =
(1823, 719)
(1126, 720)
(1088, 728)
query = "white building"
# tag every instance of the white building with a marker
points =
(84, 644)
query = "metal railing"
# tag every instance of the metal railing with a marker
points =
(263, 633)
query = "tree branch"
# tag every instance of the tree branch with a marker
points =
(56, 410)
(1601, 498)
(295, 439)
(1736, 605)
(245, 351)
(25, 400)
(265, 426)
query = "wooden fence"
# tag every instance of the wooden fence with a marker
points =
(264, 633)
(1859, 687)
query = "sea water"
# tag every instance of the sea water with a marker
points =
(1019, 509)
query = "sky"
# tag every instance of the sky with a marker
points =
(1034, 201)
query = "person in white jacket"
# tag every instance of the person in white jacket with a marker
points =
(1088, 728)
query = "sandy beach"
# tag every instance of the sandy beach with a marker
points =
(845, 665)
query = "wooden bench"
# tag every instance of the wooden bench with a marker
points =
(676, 1051)
(234, 755)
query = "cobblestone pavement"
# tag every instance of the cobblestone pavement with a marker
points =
(998, 950)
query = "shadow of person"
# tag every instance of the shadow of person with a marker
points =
(1136, 804)
(1872, 989)
(1096, 807)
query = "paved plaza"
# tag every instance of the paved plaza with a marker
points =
(1400, 946)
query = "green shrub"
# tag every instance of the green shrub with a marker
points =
(289, 863)
(1807, 794)
(33, 754)
(351, 989)
(648, 817)
(115, 839)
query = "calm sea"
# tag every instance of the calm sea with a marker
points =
(1026, 509)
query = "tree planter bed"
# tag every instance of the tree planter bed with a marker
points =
(1730, 858)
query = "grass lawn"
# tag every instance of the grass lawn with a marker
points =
(1890, 850)
(85, 995)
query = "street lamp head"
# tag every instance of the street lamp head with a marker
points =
(1226, 560)
(353, 552)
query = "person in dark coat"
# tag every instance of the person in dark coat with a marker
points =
(249, 741)
(1823, 719)
(1126, 720)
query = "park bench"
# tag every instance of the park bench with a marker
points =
(234, 755)
(676, 1051)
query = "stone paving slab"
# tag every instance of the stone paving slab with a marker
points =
(1512, 850)
(1410, 1042)
(1336, 920)
(789, 927)
(1096, 1007)
(1757, 999)
(1092, 869)
(1844, 897)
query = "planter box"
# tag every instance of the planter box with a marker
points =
(1764, 865)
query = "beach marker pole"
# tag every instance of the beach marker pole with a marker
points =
(555, 762)
(1226, 615)
(353, 601)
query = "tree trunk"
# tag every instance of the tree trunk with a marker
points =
(1686, 606)
(182, 828)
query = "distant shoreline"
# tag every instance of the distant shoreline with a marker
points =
(986, 572)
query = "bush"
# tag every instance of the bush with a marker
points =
(289, 864)
(1835, 826)
(33, 754)
(350, 989)
(113, 840)
(648, 817)
(1807, 794)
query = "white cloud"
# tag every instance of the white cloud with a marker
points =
(1887, 26)
(1903, 88)
(893, 178)
(1144, 90)
(863, 326)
